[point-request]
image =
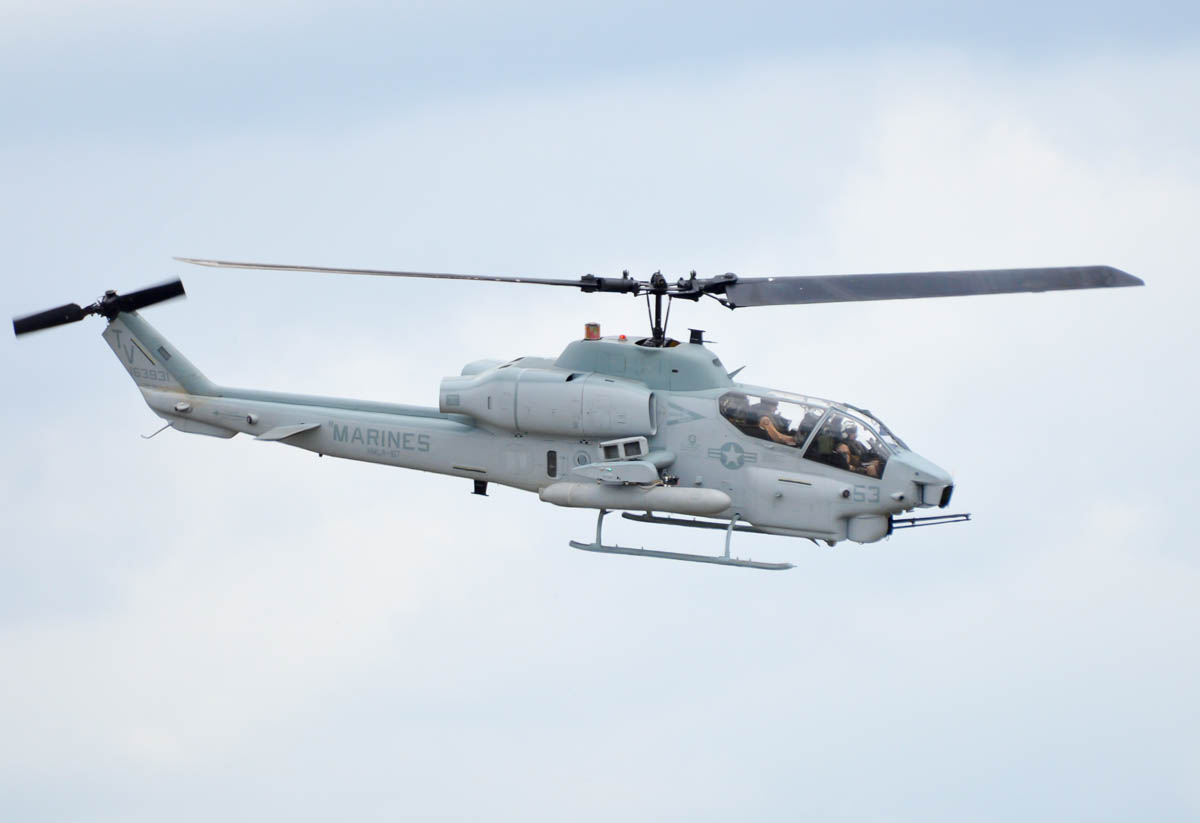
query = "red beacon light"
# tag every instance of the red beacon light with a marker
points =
(591, 331)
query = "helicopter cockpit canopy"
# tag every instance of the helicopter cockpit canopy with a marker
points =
(773, 417)
(846, 442)
(826, 432)
(889, 438)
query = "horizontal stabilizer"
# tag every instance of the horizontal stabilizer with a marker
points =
(284, 432)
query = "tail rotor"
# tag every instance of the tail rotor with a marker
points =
(110, 305)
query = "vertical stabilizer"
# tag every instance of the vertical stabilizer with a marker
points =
(151, 361)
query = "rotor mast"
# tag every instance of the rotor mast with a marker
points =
(658, 325)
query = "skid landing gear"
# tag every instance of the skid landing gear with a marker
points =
(726, 560)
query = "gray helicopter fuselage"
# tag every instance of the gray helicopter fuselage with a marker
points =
(609, 424)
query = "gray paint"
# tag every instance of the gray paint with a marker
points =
(776, 291)
(769, 485)
(686, 367)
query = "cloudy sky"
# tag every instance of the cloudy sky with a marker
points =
(193, 629)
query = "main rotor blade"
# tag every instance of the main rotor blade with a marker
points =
(149, 296)
(226, 264)
(58, 316)
(845, 288)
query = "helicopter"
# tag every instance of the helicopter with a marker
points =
(650, 426)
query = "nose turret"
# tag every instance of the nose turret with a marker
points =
(933, 484)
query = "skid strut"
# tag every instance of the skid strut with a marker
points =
(725, 560)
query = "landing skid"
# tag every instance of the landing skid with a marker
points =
(726, 560)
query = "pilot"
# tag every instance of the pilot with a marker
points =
(766, 412)
(805, 427)
(733, 401)
(871, 465)
(735, 407)
(863, 458)
(850, 438)
(840, 457)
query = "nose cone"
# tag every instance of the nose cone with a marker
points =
(934, 484)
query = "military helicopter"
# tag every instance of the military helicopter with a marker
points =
(649, 426)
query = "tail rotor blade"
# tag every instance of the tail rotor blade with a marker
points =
(135, 300)
(110, 305)
(59, 316)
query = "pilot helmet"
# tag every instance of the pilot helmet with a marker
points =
(734, 401)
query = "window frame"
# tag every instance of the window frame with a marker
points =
(888, 451)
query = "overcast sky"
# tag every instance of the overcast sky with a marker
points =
(194, 629)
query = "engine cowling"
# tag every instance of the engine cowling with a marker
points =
(551, 401)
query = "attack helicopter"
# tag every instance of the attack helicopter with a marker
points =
(650, 426)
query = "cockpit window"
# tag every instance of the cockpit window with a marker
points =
(888, 437)
(846, 443)
(788, 422)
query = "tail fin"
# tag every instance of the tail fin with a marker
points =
(151, 361)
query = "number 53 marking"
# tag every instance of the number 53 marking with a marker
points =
(866, 494)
